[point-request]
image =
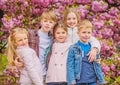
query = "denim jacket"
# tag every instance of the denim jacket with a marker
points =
(74, 63)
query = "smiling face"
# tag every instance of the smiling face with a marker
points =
(85, 34)
(47, 25)
(60, 35)
(72, 20)
(21, 39)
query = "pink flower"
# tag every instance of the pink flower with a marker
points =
(98, 24)
(111, 1)
(116, 22)
(105, 16)
(83, 1)
(105, 68)
(83, 11)
(113, 11)
(113, 67)
(99, 6)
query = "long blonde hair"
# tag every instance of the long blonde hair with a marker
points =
(71, 10)
(11, 49)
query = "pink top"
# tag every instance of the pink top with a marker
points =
(31, 73)
(57, 66)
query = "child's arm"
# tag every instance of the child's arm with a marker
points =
(95, 43)
(70, 68)
(95, 49)
(33, 72)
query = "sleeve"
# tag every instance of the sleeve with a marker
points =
(71, 67)
(28, 57)
(95, 43)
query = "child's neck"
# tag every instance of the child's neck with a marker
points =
(83, 42)
(72, 27)
(43, 30)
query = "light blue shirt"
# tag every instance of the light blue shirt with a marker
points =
(44, 42)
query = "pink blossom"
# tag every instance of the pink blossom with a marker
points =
(111, 1)
(116, 22)
(26, 4)
(113, 67)
(105, 68)
(83, 1)
(7, 23)
(83, 11)
(113, 11)
(98, 24)
(105, 16)
(99, 6)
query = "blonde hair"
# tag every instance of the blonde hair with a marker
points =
(50, 15)
(71, 10)
(85, 24)
(59, 26)
(11, 49)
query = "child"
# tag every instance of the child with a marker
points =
(80, 71)
(47, 22)
(18, 46)
(71, 19)
(56, 72)
(40, 39)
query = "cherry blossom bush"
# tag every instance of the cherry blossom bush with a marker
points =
(104, 14)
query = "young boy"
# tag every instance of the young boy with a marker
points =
(79, 70)
(40, 39)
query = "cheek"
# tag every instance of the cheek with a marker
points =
(76, 21)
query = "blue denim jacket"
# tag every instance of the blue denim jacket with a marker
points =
(74, 63)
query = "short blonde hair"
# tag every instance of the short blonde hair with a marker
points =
(85, 24)
(50, 15)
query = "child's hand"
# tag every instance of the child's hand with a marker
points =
(18, 63)
(92, 54)
(98, 60)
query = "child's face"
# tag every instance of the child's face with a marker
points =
(47, 25)
(85, 34)
(21, 40)
(72, 20)
(60, 35)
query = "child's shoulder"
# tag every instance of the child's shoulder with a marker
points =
(24, 49)
(75, 47)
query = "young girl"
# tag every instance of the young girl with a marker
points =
(18, 46)
(40, 39)
(79, 70)
(71, 19)
(56, 72)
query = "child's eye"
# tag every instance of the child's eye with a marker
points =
(25, 38)
(89, 32)
(83, 32)
(51, 22)
(74, 18)
(68, 18)
(63, 32)
(19, 40)
(57, 33)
